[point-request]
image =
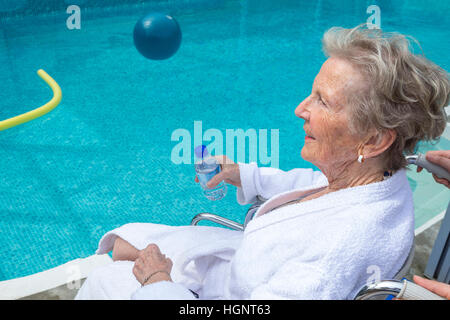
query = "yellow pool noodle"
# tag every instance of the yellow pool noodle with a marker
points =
(33, 114)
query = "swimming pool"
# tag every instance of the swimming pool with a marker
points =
(102, 158)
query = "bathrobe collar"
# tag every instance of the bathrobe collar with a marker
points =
(345, 197)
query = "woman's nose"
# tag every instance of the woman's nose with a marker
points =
(301, 110)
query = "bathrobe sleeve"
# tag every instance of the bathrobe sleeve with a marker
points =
(163, 290)
(267, 182)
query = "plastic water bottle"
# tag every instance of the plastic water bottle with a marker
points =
(207, 167)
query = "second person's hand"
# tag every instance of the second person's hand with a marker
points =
(442, 158)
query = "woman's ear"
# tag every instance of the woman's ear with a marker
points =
(379, 142)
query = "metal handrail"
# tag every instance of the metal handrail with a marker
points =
(217, 219)
(227, 222)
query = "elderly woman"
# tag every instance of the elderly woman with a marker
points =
(321, 235)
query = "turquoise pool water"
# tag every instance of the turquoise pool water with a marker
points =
(102, 158)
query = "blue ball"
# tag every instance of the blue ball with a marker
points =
(157, 36)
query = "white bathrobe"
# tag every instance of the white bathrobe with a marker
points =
(324, 248)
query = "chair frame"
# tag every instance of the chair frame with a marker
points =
(227, 222)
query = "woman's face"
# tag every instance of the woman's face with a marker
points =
(329, 142)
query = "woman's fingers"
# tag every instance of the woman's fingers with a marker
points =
(216, 180)
(229, 173)
(152, 247)
(169, 264)
(151, 251)
(222, 160)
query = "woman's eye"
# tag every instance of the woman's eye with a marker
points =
(321, 101)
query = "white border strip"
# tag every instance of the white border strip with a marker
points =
(69, 273)
(429, 223)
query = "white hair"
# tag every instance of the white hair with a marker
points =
(404, 92)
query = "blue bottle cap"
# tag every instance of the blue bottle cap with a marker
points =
(201, 152)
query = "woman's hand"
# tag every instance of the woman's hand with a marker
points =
(442, 158)
(229, 173)
(152, 266)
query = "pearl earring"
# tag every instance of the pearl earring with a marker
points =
(361, 158)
